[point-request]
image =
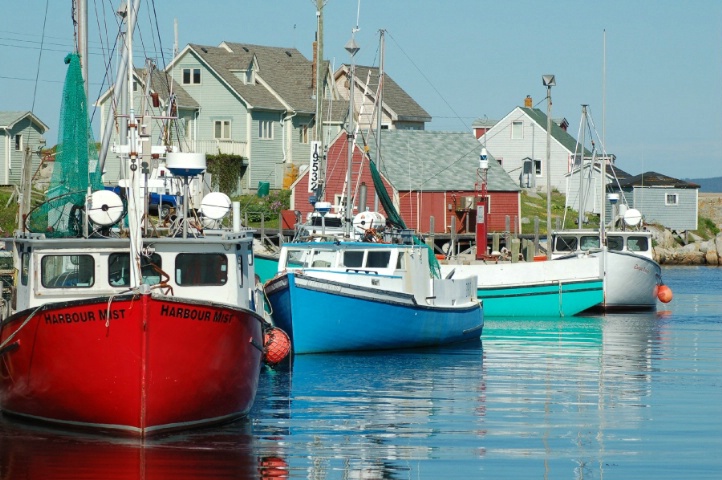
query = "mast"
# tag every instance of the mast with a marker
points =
(379, 110)
(581, 194)
(82, 12)
(319, 98)
(352, 48)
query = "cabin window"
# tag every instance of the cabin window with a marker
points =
(671, 199)
(378, 259)
(517, 130)
(191, 76)
(615, 243)
(67, 271)
(18, 142)
(589, 241)
(353, 259)
(323, 258)
(296, 258)
(201, 269)
(637, 244)
(566, 244)
(25, 268)
(265, 129)
(119, 269)
(222, 129)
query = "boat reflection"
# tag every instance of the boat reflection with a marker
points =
(366, 414)
(31, 452)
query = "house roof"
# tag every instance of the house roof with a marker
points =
(395, 98)
(654, 179)
(558, 133)
(484, 123)
(9, 119)
(161, 82)
(436, 161)
(283, 75)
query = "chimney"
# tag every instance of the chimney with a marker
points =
(314, 66)
(527, 101)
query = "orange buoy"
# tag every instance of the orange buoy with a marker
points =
(664, 293)
(276, 346)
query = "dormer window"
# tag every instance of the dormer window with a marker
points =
(191, 76)
(250, 77)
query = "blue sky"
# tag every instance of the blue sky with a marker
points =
(459, 59)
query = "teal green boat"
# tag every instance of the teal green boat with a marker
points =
(534, 289)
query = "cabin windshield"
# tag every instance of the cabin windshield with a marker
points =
(67, 271)
(566, 244)
(637, 244)
(589, 242)
(199, 269)
(119, 269)
(615, 243)
(304, 258)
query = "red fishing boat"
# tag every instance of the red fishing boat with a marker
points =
(119, 326)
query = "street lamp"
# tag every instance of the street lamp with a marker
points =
(549, 82)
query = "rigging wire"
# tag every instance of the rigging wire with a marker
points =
(466, 126)
(40, 56)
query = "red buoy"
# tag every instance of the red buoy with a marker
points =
(664, 293)
(276, 346)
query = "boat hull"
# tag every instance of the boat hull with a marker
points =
(535, 289)
(135, 364)
(363, 318)
(550, 300)
(631, 282)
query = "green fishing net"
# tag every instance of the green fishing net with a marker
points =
(76, 166)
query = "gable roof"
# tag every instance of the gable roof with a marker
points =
(654, 179)
(436, 161)
(283, 76)
(557, 133)
(9, 119)
(395, 98)
(161, 83)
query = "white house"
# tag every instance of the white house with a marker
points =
(19, 131)
(521, 138)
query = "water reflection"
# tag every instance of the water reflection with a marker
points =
(550, 398)
(30, 452)
(369, 414)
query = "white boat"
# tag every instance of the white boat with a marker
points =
(631, 276)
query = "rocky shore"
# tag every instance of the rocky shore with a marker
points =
(673, 249)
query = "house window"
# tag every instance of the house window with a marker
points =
(18, 142)
(191, 76)
(303, 134)
(135, 85)
(538, 168)
(517, 130)
(265, 129)
(671, 199)
(222, 129)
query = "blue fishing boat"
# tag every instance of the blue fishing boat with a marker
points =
(344, 296)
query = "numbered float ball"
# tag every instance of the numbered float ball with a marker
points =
(664, 293)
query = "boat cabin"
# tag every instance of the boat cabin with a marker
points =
(74, 269)
(581, 241)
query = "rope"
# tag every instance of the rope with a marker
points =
(25, 322)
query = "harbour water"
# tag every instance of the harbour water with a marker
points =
(617, 396)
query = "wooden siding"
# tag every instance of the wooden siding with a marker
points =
(533, 144)
(11, 160)
(680, 217)
(266, 155)
(416, 208)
